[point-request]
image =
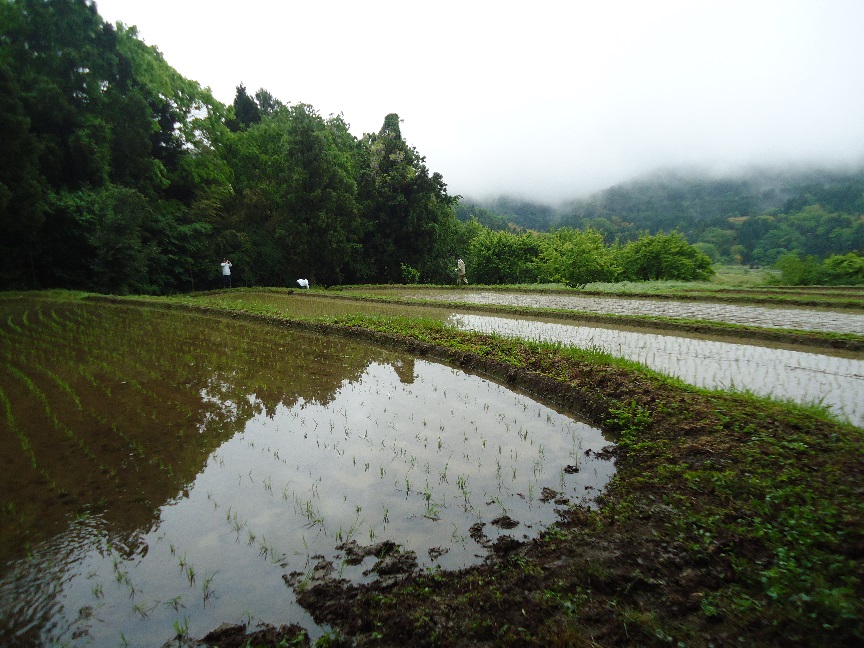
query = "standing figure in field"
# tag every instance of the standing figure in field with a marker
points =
(226, 273)
(460, 272)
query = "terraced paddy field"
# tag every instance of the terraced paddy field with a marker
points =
(381, 473)
(792, 369)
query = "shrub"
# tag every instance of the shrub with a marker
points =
(796, 270)
(575, 258)
(663, 256)
(844, 270)
(502, 258)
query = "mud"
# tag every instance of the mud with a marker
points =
(650, 567)
(627, 575)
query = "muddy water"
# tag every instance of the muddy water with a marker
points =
(803, 376)
(784, 374)
(768, 316)
(163, 472)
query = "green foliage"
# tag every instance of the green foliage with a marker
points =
(99, 127)
(246, 111)
(410, 275)
(22, 190)
(709, 250)
(663, 256)
(630, 420)
(118, 174)
(836, 270)
(844, 269)
(407, 214)
(576, 258)
(320, 220)
(502, 257)
(753, 219)
(466, 212)
(524, 213)
(796, 270)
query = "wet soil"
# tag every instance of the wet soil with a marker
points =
(581, 584)
(693, 543)
(229, 635)
(819, 329)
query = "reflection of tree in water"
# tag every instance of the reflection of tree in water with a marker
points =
(404, 368)
(304, 368)
(112, 413)
(140, 399)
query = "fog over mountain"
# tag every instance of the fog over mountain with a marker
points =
(546, 101)
(669, 197)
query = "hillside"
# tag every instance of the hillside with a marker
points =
(753, 217)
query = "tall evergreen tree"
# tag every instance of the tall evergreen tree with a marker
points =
(408, 213)
(22, 188)
(246, 111)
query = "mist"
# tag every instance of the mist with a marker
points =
(550, 101)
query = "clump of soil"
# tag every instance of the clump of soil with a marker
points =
(238, 636)
(392, 564)
(505, 522)
(355, 552)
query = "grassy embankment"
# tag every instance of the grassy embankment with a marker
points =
(731, 518)
(447, 297)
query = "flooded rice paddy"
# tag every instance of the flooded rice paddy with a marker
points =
(167, 472)
(767, 316)
(801, 375)
(784, 374)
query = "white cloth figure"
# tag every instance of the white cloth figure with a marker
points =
(303, 283)
(460, 272)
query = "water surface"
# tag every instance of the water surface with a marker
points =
(784, 374)
(805, 319)
(799, 374)
(165, 471)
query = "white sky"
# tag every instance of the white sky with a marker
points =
(539, 99)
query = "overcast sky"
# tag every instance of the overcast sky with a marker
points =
(544, 100)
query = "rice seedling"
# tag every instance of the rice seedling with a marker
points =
(49, 412)
(22, 437)
(175, 603)
(143, 610)
(207, 587)
(271, 431)
(181, 627)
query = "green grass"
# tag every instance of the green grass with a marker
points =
(760, 498)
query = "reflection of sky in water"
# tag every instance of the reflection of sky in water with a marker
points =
(772, 317)
(414, 453)
(779, 373)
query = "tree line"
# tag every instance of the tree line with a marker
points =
(754, 219)
(119, 175)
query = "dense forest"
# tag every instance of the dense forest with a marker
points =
(754, 219)
(119, 175)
